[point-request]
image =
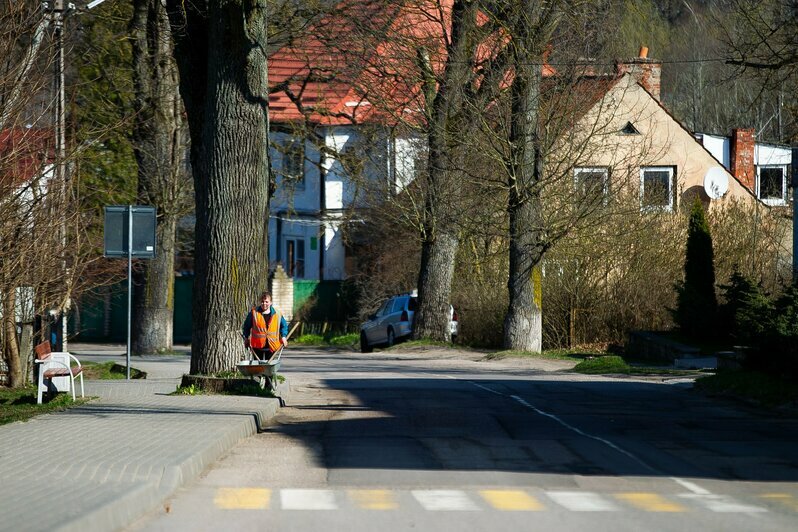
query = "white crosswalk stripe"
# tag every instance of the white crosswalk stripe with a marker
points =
(298, 499)
(582, 501)
(443, 500)
(723, 503)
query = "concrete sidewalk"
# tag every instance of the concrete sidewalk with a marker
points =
(102, 465)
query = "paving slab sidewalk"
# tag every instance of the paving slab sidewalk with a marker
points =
(102, 465)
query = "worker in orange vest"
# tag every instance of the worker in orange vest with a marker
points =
(265, 329)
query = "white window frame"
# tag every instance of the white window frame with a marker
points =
(773, 201)
(671, 177)
(605, 185)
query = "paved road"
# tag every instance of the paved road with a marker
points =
(398, 441)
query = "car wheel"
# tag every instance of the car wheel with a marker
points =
(364, 344)
(391, 338)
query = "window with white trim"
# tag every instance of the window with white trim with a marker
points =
(592, 185)
(771, 184)
(295, 257)
(656, 188)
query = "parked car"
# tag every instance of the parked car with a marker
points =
(394, 322)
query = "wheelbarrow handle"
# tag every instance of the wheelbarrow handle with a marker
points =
(276, 354)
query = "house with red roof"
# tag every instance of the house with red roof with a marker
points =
(343, 108)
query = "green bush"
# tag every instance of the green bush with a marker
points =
(747, 312)
(768, 328)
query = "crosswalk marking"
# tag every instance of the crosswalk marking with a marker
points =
(502, 499)
(511, 500)
(373, 499)
(783, 498)
(242, 498)
(651, 502)
(723, 503)
(444, 500)
(299, 499)
(581, 501)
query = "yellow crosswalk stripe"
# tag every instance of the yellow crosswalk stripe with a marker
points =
(373, 499)
(650, 502)
(784, 498)
(242, 498)
(511, 500)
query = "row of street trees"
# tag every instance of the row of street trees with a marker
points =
(496, 127)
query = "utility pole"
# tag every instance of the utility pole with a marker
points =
(58, 9)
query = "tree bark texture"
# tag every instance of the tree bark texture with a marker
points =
(10, 346)
(523, 324)
(221, 53)
(160, 143)
(447, 117)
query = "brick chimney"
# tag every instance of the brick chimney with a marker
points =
(741, 155)
(646, 71)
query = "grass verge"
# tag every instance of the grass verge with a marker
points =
(762, 388)
(556, 354)
(617, 365)
(344, 340)
(109, 371)
(606, 364)
(424, 342)
(234, 386)
(309, 339)
(19, 404)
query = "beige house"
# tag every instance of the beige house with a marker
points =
(637, 146)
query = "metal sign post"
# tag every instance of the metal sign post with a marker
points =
(129, 232)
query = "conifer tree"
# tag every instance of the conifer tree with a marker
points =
(697, 305)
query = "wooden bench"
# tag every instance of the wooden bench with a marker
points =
(56, 371)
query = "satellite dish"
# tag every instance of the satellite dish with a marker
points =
(716, 182)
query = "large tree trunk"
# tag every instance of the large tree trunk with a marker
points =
(10, 348)
(523, 324)
(221, 54)
(434, 287)
(447, 129)
(153, 301)
(160, 147)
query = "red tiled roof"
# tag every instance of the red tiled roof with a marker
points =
(360, 63)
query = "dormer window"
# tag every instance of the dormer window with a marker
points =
(629, 129)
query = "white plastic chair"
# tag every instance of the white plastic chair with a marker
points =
(57, 369)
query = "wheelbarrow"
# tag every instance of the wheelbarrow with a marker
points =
(264, 371)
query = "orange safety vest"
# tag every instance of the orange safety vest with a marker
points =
(260, 334)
